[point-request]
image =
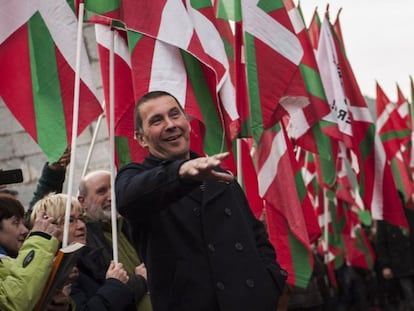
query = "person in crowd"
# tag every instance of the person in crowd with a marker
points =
(191, 222)
(51, 180)
(97, 287)
(12, 192)
(95, 198)
(395, 255)
(311, 297)
(25, 257)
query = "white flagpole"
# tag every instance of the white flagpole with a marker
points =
(326, 212)
(92, 145)
(74, 125)
(239, 161)
(112, 145)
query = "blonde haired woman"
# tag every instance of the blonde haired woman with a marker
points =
(96, 288)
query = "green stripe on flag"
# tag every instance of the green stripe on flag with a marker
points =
(200, 4)
(48, 105)
(396, 174)
(301, 261)
(394, 135)
(313, 82)
(256, 119)
(361, 245)
(133, 39)
(102, 6)
(71, 4)
(300, 186)
(229, 10)
(229, 49)
(269, 6)
(367, 145)
(214, 140)
(122, 150)
(326, 162)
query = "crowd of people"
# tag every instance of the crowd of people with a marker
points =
(187, 239)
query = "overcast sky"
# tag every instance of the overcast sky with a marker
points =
(379, 40)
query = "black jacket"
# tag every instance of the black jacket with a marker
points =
(202, 246)
(91, 291)
(96, 240)
(395, 249)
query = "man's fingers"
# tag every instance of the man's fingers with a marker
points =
(222, 176)
(221, 156)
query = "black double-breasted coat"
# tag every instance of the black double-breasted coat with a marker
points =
(201, 244)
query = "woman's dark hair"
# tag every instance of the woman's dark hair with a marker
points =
(10, 207)
(145, 98)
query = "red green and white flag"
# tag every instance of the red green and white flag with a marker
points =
(391, 127)
(377, 186)
(38, 58)
(157, 65)
(307, 125)
(403, 107)
(127, 149)
(315, 30)
(328, 65)
(358, 248)
(272, 54)
(411, 161)
(395, 133)
(175, 46)
(249, 177)
(402, 176)
(285, 216)
(191, 27)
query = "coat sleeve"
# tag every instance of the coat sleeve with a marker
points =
(112, 295)
(140, 191)
(139, 286)
(24, 277)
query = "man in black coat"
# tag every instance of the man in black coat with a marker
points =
(202, 246)
(395, 255)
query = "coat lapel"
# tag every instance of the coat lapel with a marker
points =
(211, 190)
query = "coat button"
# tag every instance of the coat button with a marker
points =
(196, 211)
(239, 246)
(220, 285)
(250, 283)
(227, 211)
(211, 248)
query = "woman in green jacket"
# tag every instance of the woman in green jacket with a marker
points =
(25, 258)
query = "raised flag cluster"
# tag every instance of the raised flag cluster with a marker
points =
(37, 57)
(316, 167)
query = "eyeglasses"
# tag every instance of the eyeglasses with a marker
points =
(73, 219)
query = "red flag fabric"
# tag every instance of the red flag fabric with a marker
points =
(127, 149)
(38, 60)
(284, 213)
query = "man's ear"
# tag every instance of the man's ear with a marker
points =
(81, 199)
(139, 137)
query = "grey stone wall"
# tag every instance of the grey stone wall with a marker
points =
(18, 150)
